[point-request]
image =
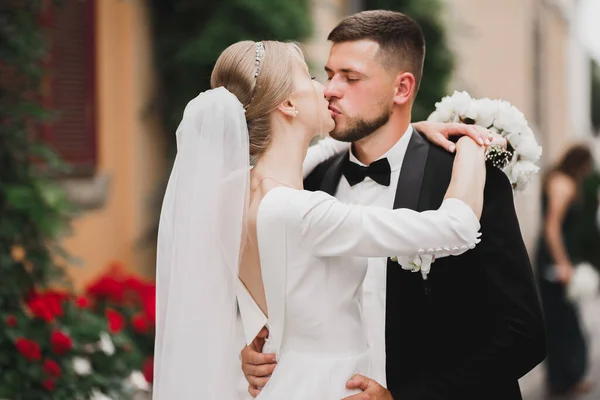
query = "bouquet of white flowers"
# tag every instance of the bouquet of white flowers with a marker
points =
(518, 160)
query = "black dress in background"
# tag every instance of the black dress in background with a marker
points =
(567, 353)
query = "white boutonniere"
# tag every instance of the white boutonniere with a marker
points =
(419, 263)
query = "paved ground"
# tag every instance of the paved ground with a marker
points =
(532, 385)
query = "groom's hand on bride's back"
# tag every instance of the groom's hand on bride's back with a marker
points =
(371, 390)
(257, 366)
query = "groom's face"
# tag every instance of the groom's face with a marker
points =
(359, 89)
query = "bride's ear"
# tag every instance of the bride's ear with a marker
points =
(288, 108)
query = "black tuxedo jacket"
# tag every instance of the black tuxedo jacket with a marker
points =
(475, 326)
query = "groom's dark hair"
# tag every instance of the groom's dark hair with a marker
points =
(400, 38)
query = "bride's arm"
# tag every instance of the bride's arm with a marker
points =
(329, 227)
(321, 151)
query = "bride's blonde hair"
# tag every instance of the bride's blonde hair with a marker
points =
(235, 70)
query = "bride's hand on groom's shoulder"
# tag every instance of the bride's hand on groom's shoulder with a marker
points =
(257, 366)
(371, 390)
(440, 133)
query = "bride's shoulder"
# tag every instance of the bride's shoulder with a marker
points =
(286, 203)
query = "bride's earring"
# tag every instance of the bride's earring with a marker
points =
(296, 111)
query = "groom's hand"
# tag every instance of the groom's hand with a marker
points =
(371, 389)
(257, 366)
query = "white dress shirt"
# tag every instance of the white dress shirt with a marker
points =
(369, 192)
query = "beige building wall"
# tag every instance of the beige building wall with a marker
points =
(523, 51)
(326, 14)
(130, 146)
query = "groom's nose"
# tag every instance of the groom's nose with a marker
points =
(332, 90)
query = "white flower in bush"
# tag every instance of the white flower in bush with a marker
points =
(138, 382)
(82, 366)
(106, 344)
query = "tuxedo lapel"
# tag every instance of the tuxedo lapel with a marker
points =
(404, 286)
(411, 175)
(333, 175)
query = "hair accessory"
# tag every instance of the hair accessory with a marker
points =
(260, 53)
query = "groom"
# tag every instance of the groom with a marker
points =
(474, 327)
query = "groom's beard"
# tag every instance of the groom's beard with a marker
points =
(360, 128)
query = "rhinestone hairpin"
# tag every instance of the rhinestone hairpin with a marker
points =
(260, 53)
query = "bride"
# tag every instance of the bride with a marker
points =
(223, 223)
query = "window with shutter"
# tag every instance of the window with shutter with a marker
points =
(69, 86)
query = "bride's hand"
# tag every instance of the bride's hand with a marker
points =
(440, 132)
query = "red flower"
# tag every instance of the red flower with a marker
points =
(41, 309)
(140, 323)
(28, 349)
(110, 286)
(107, 288)
(61, 342)
(48, 305)
(11, 321)
(133, 284)
(51, 368)
(55, 300)
(49, 385)
(148, 369)
(147, 296)
(115, 320)
(82, 302)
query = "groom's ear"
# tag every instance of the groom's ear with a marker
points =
(288, 108)
(404, 88)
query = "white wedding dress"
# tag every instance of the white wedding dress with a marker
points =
(310, 248)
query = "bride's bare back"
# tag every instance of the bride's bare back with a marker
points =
(250, 270)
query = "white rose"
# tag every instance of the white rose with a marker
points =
(434, 117)
(446, 114)
(529, 150)
(520, 173)
(461, 102)
(509, 118)
(82, 366)
(481, 111)
(510, 123)
(502, 110)
(515, 140)
(487, 112)
(106, 344)
(444, 111)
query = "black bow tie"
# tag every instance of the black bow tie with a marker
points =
(379, 171)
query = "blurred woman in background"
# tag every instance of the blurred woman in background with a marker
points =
(558, 251)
